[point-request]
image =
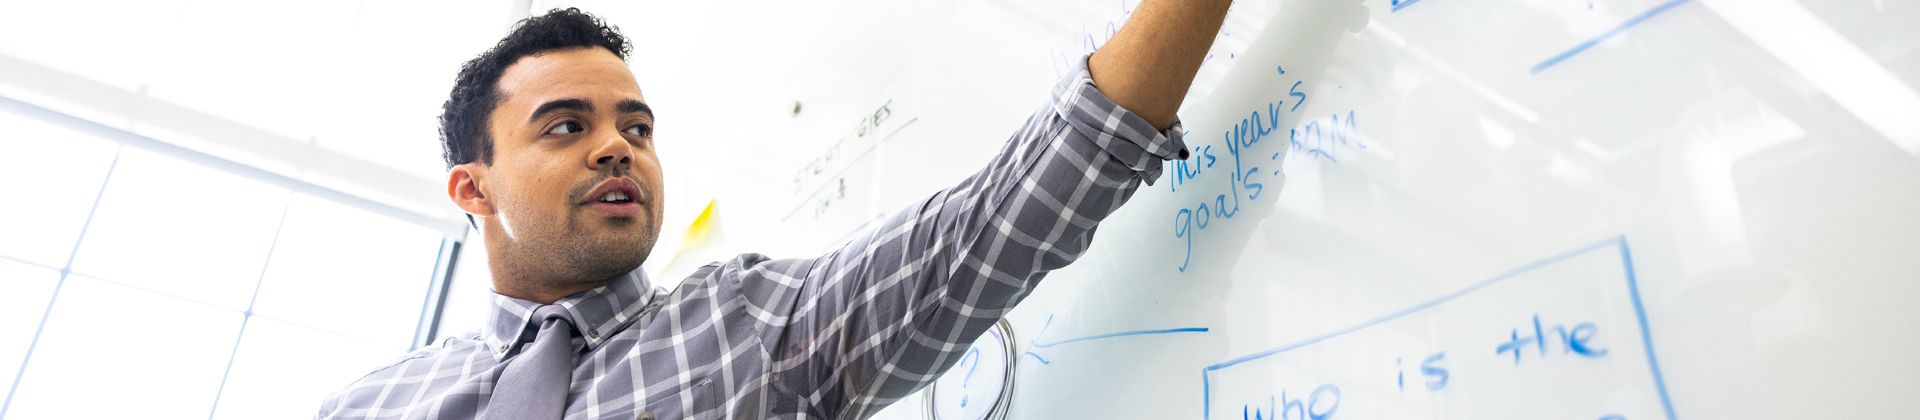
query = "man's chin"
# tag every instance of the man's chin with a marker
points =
(623, 248)
(615, 246)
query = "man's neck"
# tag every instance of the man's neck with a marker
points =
(544, 292)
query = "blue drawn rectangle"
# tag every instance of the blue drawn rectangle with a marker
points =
(1633, 290)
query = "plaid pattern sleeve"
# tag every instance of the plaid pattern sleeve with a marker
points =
(883, 315)
(837, 336)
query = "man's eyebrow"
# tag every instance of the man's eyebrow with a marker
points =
(631, 106)
(573, 104)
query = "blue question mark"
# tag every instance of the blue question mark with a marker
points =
(973, 354)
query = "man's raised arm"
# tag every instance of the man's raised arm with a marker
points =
(1148, 66)
(881, 316)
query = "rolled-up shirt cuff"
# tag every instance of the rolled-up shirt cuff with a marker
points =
(1126, 136)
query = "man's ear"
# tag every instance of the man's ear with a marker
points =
(464, 186)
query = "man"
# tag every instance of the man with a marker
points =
(550, 145)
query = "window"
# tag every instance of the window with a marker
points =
(349, 272)
(142, 285)
(40, 228)
(24, 293)
(149, 355)
(281, 370)
(174, 228)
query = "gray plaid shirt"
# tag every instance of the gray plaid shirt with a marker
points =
(835, 336)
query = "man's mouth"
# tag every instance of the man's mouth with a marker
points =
(617, 196)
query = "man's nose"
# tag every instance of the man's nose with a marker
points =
(613, 152)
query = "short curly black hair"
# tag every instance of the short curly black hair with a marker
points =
(463, 120)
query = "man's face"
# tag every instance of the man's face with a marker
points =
(574, 184)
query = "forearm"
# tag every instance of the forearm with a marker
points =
(1148, 66)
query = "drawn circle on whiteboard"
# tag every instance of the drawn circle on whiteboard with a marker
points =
(980, 386)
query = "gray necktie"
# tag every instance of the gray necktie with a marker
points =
(534, 384)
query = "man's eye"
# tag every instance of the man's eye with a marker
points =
(640, 130)
(569, 127)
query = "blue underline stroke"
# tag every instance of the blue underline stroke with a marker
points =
(1596, 40)
(1122, 334)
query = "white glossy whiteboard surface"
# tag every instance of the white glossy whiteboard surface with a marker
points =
(1567, 209)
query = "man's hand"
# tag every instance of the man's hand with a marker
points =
(1148, 66)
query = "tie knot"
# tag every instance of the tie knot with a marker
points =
(548, 320)
(549, 323)
(546, 313)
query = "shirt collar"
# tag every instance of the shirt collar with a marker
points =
(597, 313)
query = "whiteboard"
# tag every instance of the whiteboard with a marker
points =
(1398, 209)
